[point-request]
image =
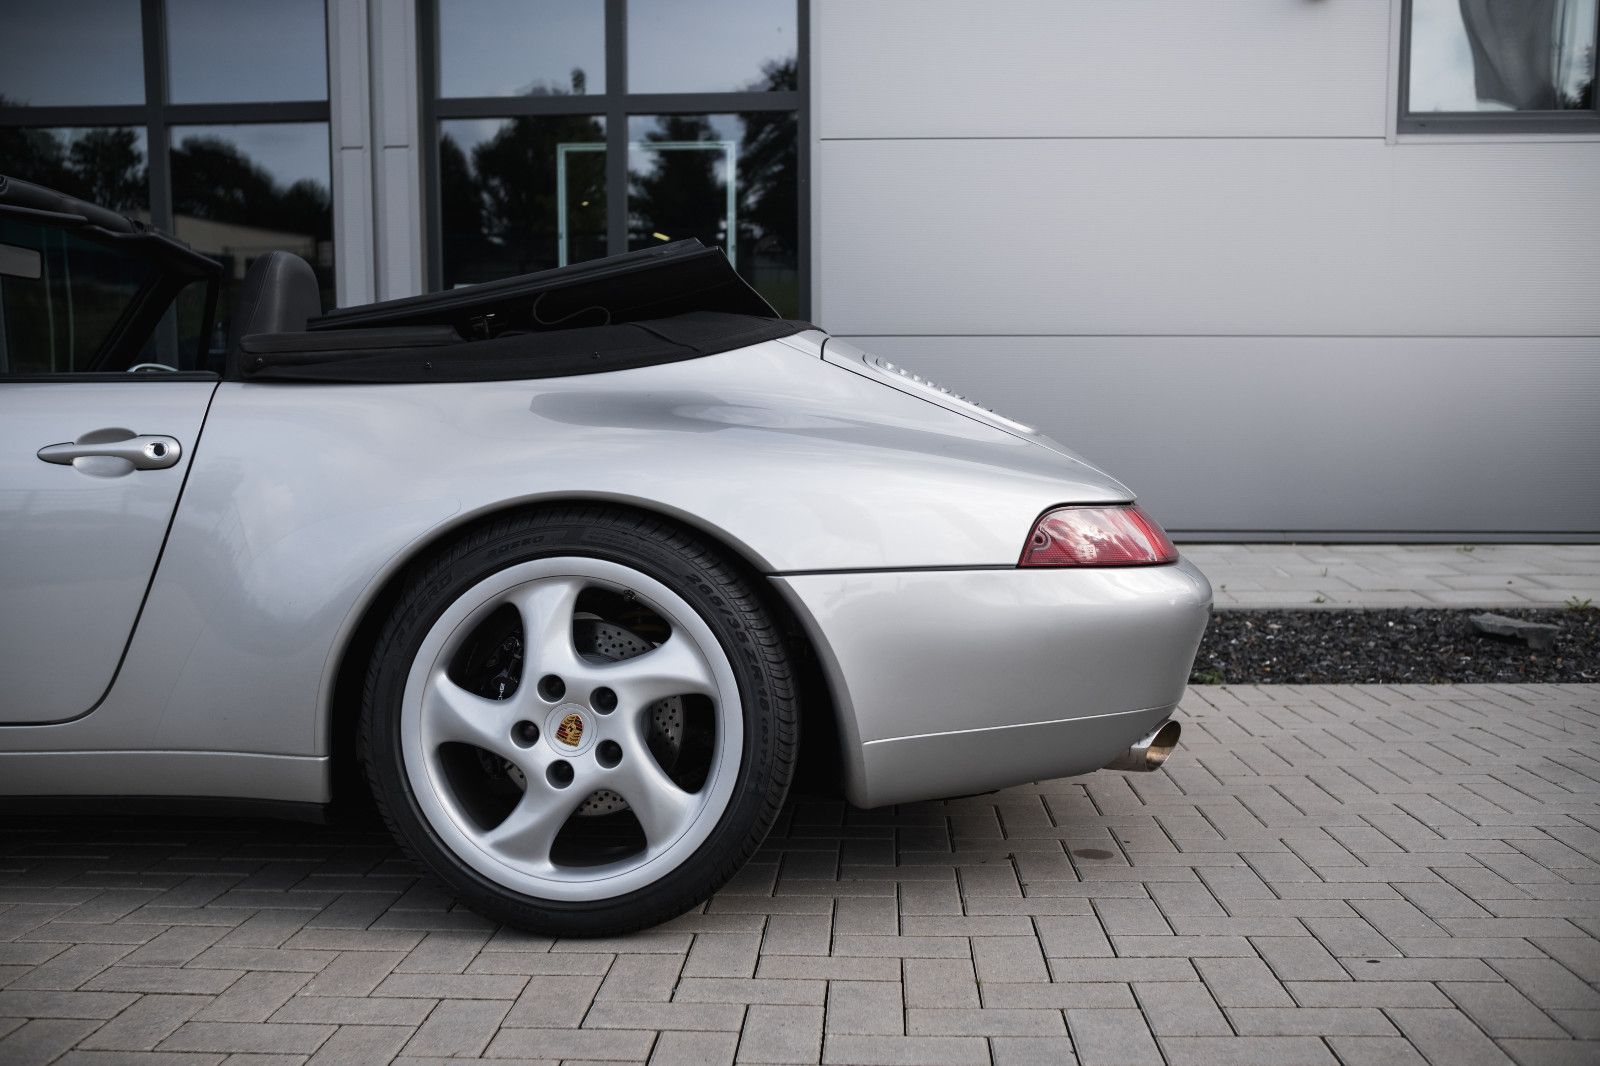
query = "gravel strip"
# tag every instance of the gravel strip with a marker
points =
(1411, 646)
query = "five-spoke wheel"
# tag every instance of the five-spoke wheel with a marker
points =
(571, 733)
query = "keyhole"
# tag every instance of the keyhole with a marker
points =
(157, 450)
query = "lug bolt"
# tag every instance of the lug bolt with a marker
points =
(525, 734)
(603, 700)
(559, 775)
(609, 753)
(552, 688)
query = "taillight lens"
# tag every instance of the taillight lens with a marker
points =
(1097, 536)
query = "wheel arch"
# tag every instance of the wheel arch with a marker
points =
(821, 757)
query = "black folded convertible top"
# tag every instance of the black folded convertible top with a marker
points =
(402, 354)
(652, 283)
(657, 305)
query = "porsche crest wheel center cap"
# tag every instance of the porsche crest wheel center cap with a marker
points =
(571, 729)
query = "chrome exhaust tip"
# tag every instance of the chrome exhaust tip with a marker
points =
(1148, 753)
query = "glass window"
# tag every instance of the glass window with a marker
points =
(239, 191)
(520, 194)
(104, 164)
(729, 180)
(522, 47)
(1478, 57)
(522, 184)
(684, 46)
(177, 340)
(227, 53)
(68, 54)
(61, 297)
(258, 179)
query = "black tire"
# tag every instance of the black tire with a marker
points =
(725, 600)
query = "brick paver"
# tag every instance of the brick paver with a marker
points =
(1399, 575)
(1358, 874)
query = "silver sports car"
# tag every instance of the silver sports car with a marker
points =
(575, 569)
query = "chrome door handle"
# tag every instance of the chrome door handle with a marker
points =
(148, 452)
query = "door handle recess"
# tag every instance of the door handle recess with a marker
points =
(108, 453)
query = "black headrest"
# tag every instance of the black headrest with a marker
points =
(279, 295)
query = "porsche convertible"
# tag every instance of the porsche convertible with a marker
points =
(572, 571)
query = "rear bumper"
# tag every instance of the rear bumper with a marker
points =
(948, 682)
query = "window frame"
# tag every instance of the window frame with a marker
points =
(616, 105)
(1578, 122)
(158, 115)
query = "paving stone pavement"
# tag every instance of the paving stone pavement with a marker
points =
(1399, 575)
(1353, 874)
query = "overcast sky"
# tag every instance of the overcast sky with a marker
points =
(508, 47)
(104, 39)
(64, 52)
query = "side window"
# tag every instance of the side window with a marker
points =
(70, 304)
(177, 337)
(61, 298)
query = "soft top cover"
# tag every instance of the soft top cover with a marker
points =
(413, 354)
(657, 305)
(651, 283)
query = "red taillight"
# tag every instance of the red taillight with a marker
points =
(1097, 536)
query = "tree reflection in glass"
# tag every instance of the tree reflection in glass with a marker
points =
(678, 183)
(674, 192)
(499, 213)
(241, 191)
(769, 185)
(104, 165)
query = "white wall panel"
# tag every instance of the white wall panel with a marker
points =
(1224, 434)
(397, 172)
(377, 145)
(1129, 68)
(352, 152)
(1173, 233)
(1279, 236)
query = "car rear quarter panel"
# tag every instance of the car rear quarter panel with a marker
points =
(304, 499)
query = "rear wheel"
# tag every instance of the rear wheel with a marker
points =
(581, 720)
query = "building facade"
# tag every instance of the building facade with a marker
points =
(1292, 268)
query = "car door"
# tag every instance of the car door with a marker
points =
(100, 413)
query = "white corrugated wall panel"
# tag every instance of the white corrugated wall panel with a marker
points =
(1308, 434)
(1129, 68)
(1209, 236)
(1178, 235)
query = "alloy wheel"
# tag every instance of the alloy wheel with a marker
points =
(571, 728)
